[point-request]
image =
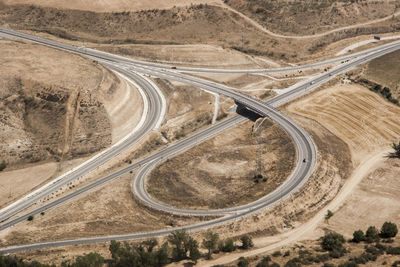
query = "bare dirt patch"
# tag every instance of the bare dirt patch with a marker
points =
(378, 191)
(220, 173)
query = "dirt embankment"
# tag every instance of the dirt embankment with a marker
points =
(44, 117)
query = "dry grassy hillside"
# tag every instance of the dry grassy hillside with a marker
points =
(385, 70)
(196, 24)
(312, 16)
(111, 5)
(48, 110)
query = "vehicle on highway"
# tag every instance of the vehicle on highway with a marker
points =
(311, 83)
(304, 160)
(174, 68)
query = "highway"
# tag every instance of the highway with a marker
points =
(120, 59)
(296, 179)
(304, 144)
(153, 116)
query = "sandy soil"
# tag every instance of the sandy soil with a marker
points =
(111, 5)
(220, 173)
(378, 191)
(364, 120)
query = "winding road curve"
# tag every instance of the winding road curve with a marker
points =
(305, 146)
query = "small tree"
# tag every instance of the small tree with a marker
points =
(247, 242)
(150, 244)
(210, 242)
(358, 236)
(194, 252)
(162, 255)
(92, 259)
(328, 215)
(371, 234)
(227, 246)
(243, 262)
(30, 218)
(332, 241)
(179, 240)
(388, 230)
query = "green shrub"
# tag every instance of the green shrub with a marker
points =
(227, 246)
(322, 257)
(337, 253)
(371, 234)
(30, 218)
(277, 253)
(332, 241)
(358, 236)
(396, 263)
(295, 262)
(393, 250)
(247, 242)
(373, 250)
(364, 258)
(388, 230)
(243, 262)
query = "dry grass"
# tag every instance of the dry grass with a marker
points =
(385, 71)
(113, 210)
(310, 16)
(110, 5)
(220, 173)
(361, 118)
(378, 191)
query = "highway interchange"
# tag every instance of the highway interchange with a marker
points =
(131, 69)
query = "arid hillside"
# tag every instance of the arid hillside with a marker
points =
(111, 5)
(386, 72)
(312, 16)
(205, 24)
(49, 108)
